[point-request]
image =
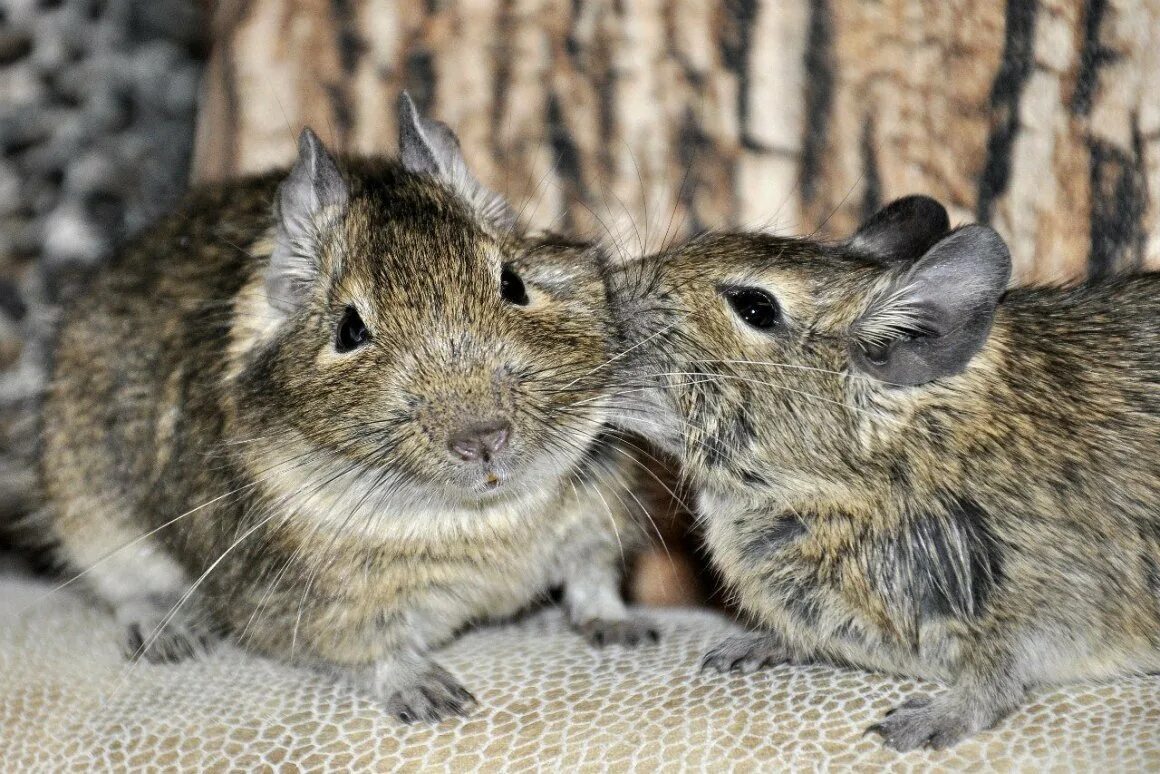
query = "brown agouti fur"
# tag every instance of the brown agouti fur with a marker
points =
(341, 413)
(906, 467)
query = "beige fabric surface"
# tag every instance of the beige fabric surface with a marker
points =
(68, 701)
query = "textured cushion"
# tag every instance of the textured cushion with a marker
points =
(68, 700)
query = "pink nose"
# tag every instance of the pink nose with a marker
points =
(479, 442)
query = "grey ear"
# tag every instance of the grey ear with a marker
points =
(310, 200)
(429, 147)
(902, 230)
(936, 316)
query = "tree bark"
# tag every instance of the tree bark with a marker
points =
(648, 120)
(652, 119)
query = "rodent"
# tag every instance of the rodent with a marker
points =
(339, 413)
(905, 466)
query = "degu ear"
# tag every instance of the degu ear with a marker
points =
(902, 230)
(935, 317)
(428, 147)
(311, 200)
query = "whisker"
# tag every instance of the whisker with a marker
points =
(803, 393)
(148, 643)
(618, 356)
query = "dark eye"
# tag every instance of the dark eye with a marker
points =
(876, 353)
(352, 332)
(511, 287)
(756, 307)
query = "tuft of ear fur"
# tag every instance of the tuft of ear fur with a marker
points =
(936, 316)
(429, 147)
(311, 200)
(902, 230)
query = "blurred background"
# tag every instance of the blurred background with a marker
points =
(639, 121)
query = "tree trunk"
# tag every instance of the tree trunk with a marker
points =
(647, 120)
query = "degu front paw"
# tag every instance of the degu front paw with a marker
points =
(162, 632)
(746, 653)
(168, 644)
(628, 632)
(431, 695)
(935, 723)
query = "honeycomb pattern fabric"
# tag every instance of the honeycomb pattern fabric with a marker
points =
(68, 702)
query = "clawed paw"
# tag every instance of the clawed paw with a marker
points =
(629, 632)
(745, 653)
(435, 695)
(164, 629)
(168, 646)
(934, 724)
